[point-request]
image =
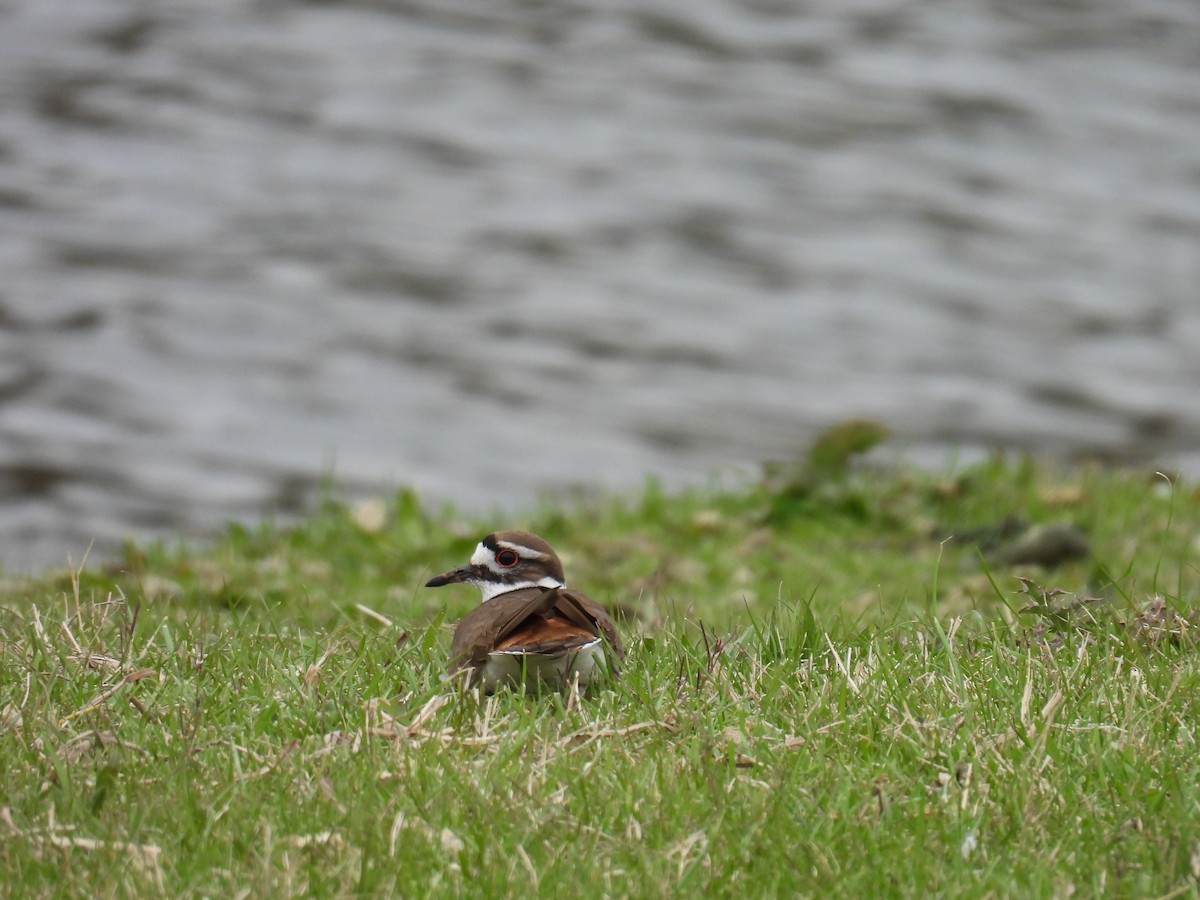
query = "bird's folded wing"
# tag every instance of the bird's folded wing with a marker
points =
(549, 636)
(583, 610)
(489, 623)
(495, 622)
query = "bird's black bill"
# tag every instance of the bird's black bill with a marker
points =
(454, 576)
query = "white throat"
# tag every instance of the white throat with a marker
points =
(491, 589)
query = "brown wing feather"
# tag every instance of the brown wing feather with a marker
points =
(549, 635)
(479, 631)
(504, 623)
(576, 606)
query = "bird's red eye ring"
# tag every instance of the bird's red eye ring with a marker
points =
(507, 558)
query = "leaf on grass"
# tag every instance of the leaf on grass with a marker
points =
(97, 701)
(320, 839)
(1157, 622)
(10, 717)
(377, 616)
(1053, 603)
(667, 724)
(697, 841)
(312, 677)
(80, 745)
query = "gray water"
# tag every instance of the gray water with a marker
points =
(493, 248)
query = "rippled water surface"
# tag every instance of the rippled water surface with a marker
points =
(492, 248)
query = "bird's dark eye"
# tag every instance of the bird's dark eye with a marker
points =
(507, 558)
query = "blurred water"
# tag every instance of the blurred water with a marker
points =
(491, 248)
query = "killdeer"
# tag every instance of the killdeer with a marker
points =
(530, 629)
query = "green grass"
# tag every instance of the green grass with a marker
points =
(830, 689)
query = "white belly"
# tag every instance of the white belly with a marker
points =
(516, 669)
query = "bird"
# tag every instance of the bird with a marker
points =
(530, 631)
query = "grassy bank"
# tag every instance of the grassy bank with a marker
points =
(832, 686)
